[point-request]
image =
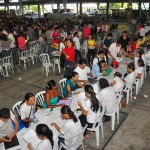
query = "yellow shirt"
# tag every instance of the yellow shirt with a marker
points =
(144, 40)
(91, 44)
(139, 43)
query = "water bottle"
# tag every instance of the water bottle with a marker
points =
(72, 94)
(35, 121)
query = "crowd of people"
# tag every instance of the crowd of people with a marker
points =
(66, 38)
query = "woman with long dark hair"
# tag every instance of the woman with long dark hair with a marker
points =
(71, 127)
(46, 136)
(89, 107)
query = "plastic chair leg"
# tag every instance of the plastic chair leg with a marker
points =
(113, 121)
(102, 130)
(97, 136)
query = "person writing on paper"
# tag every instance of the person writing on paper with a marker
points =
(117, 83)
(46, 136)
(71, 127)
(89, 106)
(7, 131)
(51, 95)
(107, 97)
(99, 69)
(27, 109)
(83, 71)
(71, 84)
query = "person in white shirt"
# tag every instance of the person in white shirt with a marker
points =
(139, 70)
(7, 131)
(130, 77)
(100, 56)
(77, 46)
(46, 136)
(61, 45)
(106, 95)
(11, 37)
(147, 55)
(83, 71)
(72, 126)
(113, 51)
(90, 107)
(142, 31)
(27, 109)
(63, 33)
(117, 83)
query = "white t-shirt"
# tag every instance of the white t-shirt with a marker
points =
(77, 43)
(25, 111)
(63, 34)
(147, 55)
(136, 61)
(11, 37)
(86, 103)
(139, 70)
(130, 78)
(80, 34)
(119, 84)
(70, 129)
(44, 144)
(142, 32)
(61, 46)
(6, 128)
(83, 73)
(107, 98)
(114, 50)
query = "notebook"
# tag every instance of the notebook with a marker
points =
(66, 102)
(14, 142)
(108, 71)
(32, 138)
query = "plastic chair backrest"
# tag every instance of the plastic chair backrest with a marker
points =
(44, 58)
(76, 141)
(62, 83)
(25, 53)
(7, 60)
(39, 98)
(16, 109)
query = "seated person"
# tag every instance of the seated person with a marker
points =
(147, 55)
(130, 76)
(51, 95)
(71, 84)
(107, 97)
(99, 69)
(46, 136)
(7, 131)
(71, 127)
(83, 71)
(139, 42)
(117, 83)
(100, 56)
(139, 70)
(27, 109)
(90, 107)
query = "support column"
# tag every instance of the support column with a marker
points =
(39, 10)
(80, 7)
(129, 12)
(77, 7)
(139, 8)
(107, 11)
(65, 5)
(20, 4)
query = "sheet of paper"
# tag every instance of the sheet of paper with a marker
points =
(31, 136)
(66, 102)
(42, 112)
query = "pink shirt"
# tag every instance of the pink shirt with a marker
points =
(86, 32)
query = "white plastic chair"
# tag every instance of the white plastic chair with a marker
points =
(1, 68)
(75, 142)
(32, 54)
(128, 90)
(62, 83)
(39, 98)
(137, 85)
(98, 124)
(112, 115)
(24, 56)
(119, 95)
(16, 109)
(46, 63)
(8, 65)
(142, 79)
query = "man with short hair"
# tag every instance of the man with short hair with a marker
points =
(83, 71)
(100, 56)
(113, 51)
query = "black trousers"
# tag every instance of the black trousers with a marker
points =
(91, 55)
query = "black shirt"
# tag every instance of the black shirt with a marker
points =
(124, 42)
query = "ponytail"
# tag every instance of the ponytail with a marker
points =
(95, 102)
(67, 110)
(72, 116)
(50, 137)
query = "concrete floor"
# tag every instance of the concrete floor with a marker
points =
(133, 132)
